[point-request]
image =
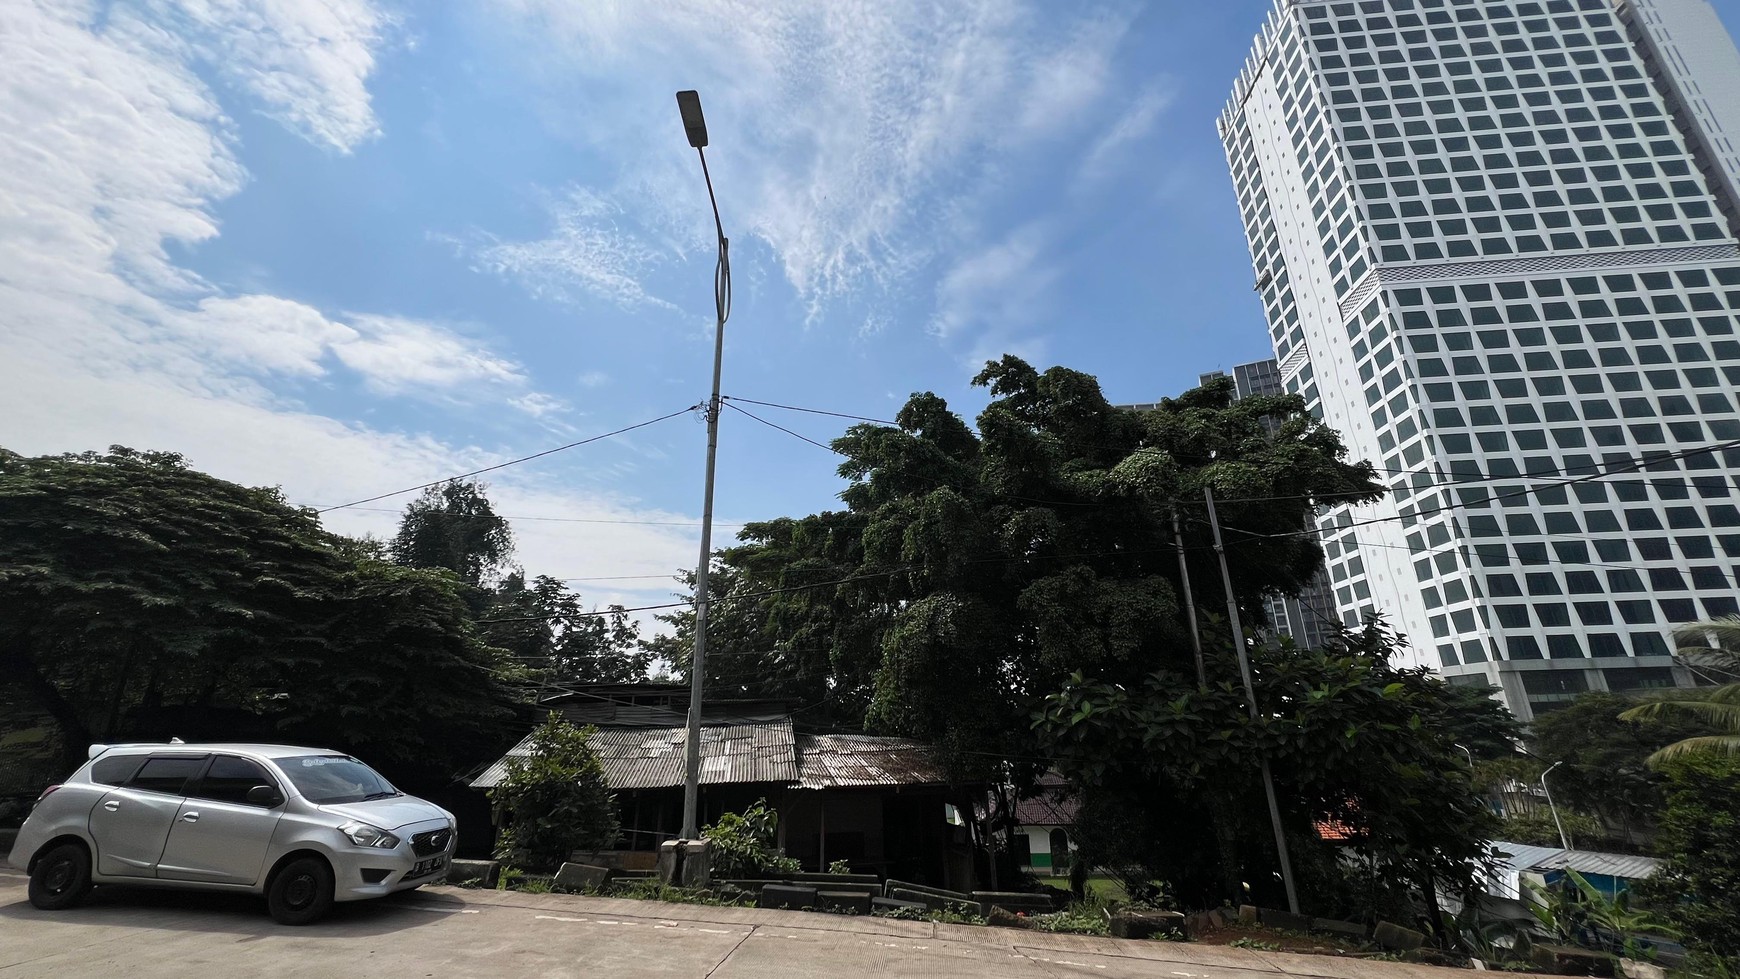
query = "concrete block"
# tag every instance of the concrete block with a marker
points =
(1330, 926)
(1396, 938)
(895, 904)
(792, 897)
(1000, 918)
(1199, 924)
(1148, 924)
(581, 877)
(1566, 960)
(1248, 913)
(845, 902)
(1633, 969)
(933, 897)
(830, 881)
(1014, 901)
(670, 863)
(1283, 920)
(483, 873)
(697, 864)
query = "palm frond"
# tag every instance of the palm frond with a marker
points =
(1723, 713)
(1714, 744)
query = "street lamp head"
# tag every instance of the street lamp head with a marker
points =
(689, 104)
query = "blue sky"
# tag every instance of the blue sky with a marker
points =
(345, 246)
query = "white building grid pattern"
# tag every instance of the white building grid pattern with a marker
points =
(1497, 252)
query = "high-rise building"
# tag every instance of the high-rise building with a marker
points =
(1495, 242)
(1308, 617)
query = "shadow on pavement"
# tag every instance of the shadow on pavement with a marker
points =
(120, 906)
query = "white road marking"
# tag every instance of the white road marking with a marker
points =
(552, 917)
(421, 907)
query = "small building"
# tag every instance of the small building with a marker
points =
(1043, 838)
(877, 803)
(1610, 873)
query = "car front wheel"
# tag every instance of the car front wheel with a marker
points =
(301, 893)
(61, 877)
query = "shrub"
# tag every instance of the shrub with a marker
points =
(1700, 838)
(743, 844)
(554, 801)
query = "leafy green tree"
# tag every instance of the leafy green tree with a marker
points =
(454, 526)
(145, 599)
(554, 799)
(743, 845)
(545, 627)
(1715, 644)
(1605, 770)
(1700, 840)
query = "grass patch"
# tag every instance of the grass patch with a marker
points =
(1101, 889)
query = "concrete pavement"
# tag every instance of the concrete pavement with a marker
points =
(442, 932)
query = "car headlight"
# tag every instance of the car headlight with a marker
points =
(362, 834)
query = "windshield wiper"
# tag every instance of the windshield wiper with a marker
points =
(372, 796)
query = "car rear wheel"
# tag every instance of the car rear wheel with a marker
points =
(301, 893)
(61, 877)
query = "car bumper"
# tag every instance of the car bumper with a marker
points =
(361, 874)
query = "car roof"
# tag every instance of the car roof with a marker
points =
(258, 750)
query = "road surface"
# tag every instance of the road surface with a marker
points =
(452, 932)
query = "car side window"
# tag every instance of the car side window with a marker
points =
(229, 779)
(168, 775)
(115, 770)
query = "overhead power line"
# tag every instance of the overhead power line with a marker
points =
(813, 411)
(510, 462)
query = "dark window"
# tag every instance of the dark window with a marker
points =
(167, 775)
(229, 779)
(115, 770)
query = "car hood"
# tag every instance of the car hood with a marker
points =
(389, 813)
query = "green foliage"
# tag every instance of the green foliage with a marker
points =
(1085, 918)
(901, 914)
(1578, 912)
(1712, 649)
(145, 599)
(1255, 944)
(743, 845)
(1537, 827)
(839, 866)
(453, 526)
(557, 641)
(554, 799)
(1699, 888)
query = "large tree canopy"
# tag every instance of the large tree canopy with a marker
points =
(144, 599)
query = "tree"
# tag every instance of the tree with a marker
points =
(554, 799)
(454, 526)
(545, 627)
(146, 600)
(1712, 643)
(1700, 840)
(1605, 770)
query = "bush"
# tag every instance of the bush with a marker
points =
(1538, 829)
(743, 845)
(1699, 889)
(554, 801)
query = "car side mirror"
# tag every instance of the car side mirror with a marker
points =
(264, 795)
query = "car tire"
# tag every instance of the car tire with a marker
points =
(61, 877)
(301, 892)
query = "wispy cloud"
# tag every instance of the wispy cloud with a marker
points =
(1129, 127)
(997, 286)
(854, 138)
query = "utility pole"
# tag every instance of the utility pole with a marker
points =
(1232, 609)
(689, 104)
(1564, 841)
(1189, 601)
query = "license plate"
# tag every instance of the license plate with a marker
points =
(426, 867)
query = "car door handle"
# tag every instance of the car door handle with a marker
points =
(190, 817)
(111, 806)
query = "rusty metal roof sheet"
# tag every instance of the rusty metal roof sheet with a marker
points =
(833, 761)
(652, 757)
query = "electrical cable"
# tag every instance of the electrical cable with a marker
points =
(510, 462)
(814, 411)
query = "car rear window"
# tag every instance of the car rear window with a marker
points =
(115, 770)
(168, 775)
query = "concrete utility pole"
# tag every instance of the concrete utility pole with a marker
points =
(1232, 609)
(689, 103)
(1189, 601)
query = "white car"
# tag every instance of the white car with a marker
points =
(302, 826)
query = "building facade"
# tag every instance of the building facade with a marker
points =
(1495, 242)
(1307, 618)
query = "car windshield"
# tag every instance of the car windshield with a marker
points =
(327, 779)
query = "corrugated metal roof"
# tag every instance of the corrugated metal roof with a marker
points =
(833, 761)
(763, 752)
(1612, 864)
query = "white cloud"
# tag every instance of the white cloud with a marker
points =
(586, 251)
(592, 379)
(110, 148)
(1131, 126)
(307, 60)
(999, 287)
(851, 137)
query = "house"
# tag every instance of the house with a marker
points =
(1044, 824)
(1611, 873)
(877, 803)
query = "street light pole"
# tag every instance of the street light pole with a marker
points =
(1564, 841)
(1232, 609)
(689, 104)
